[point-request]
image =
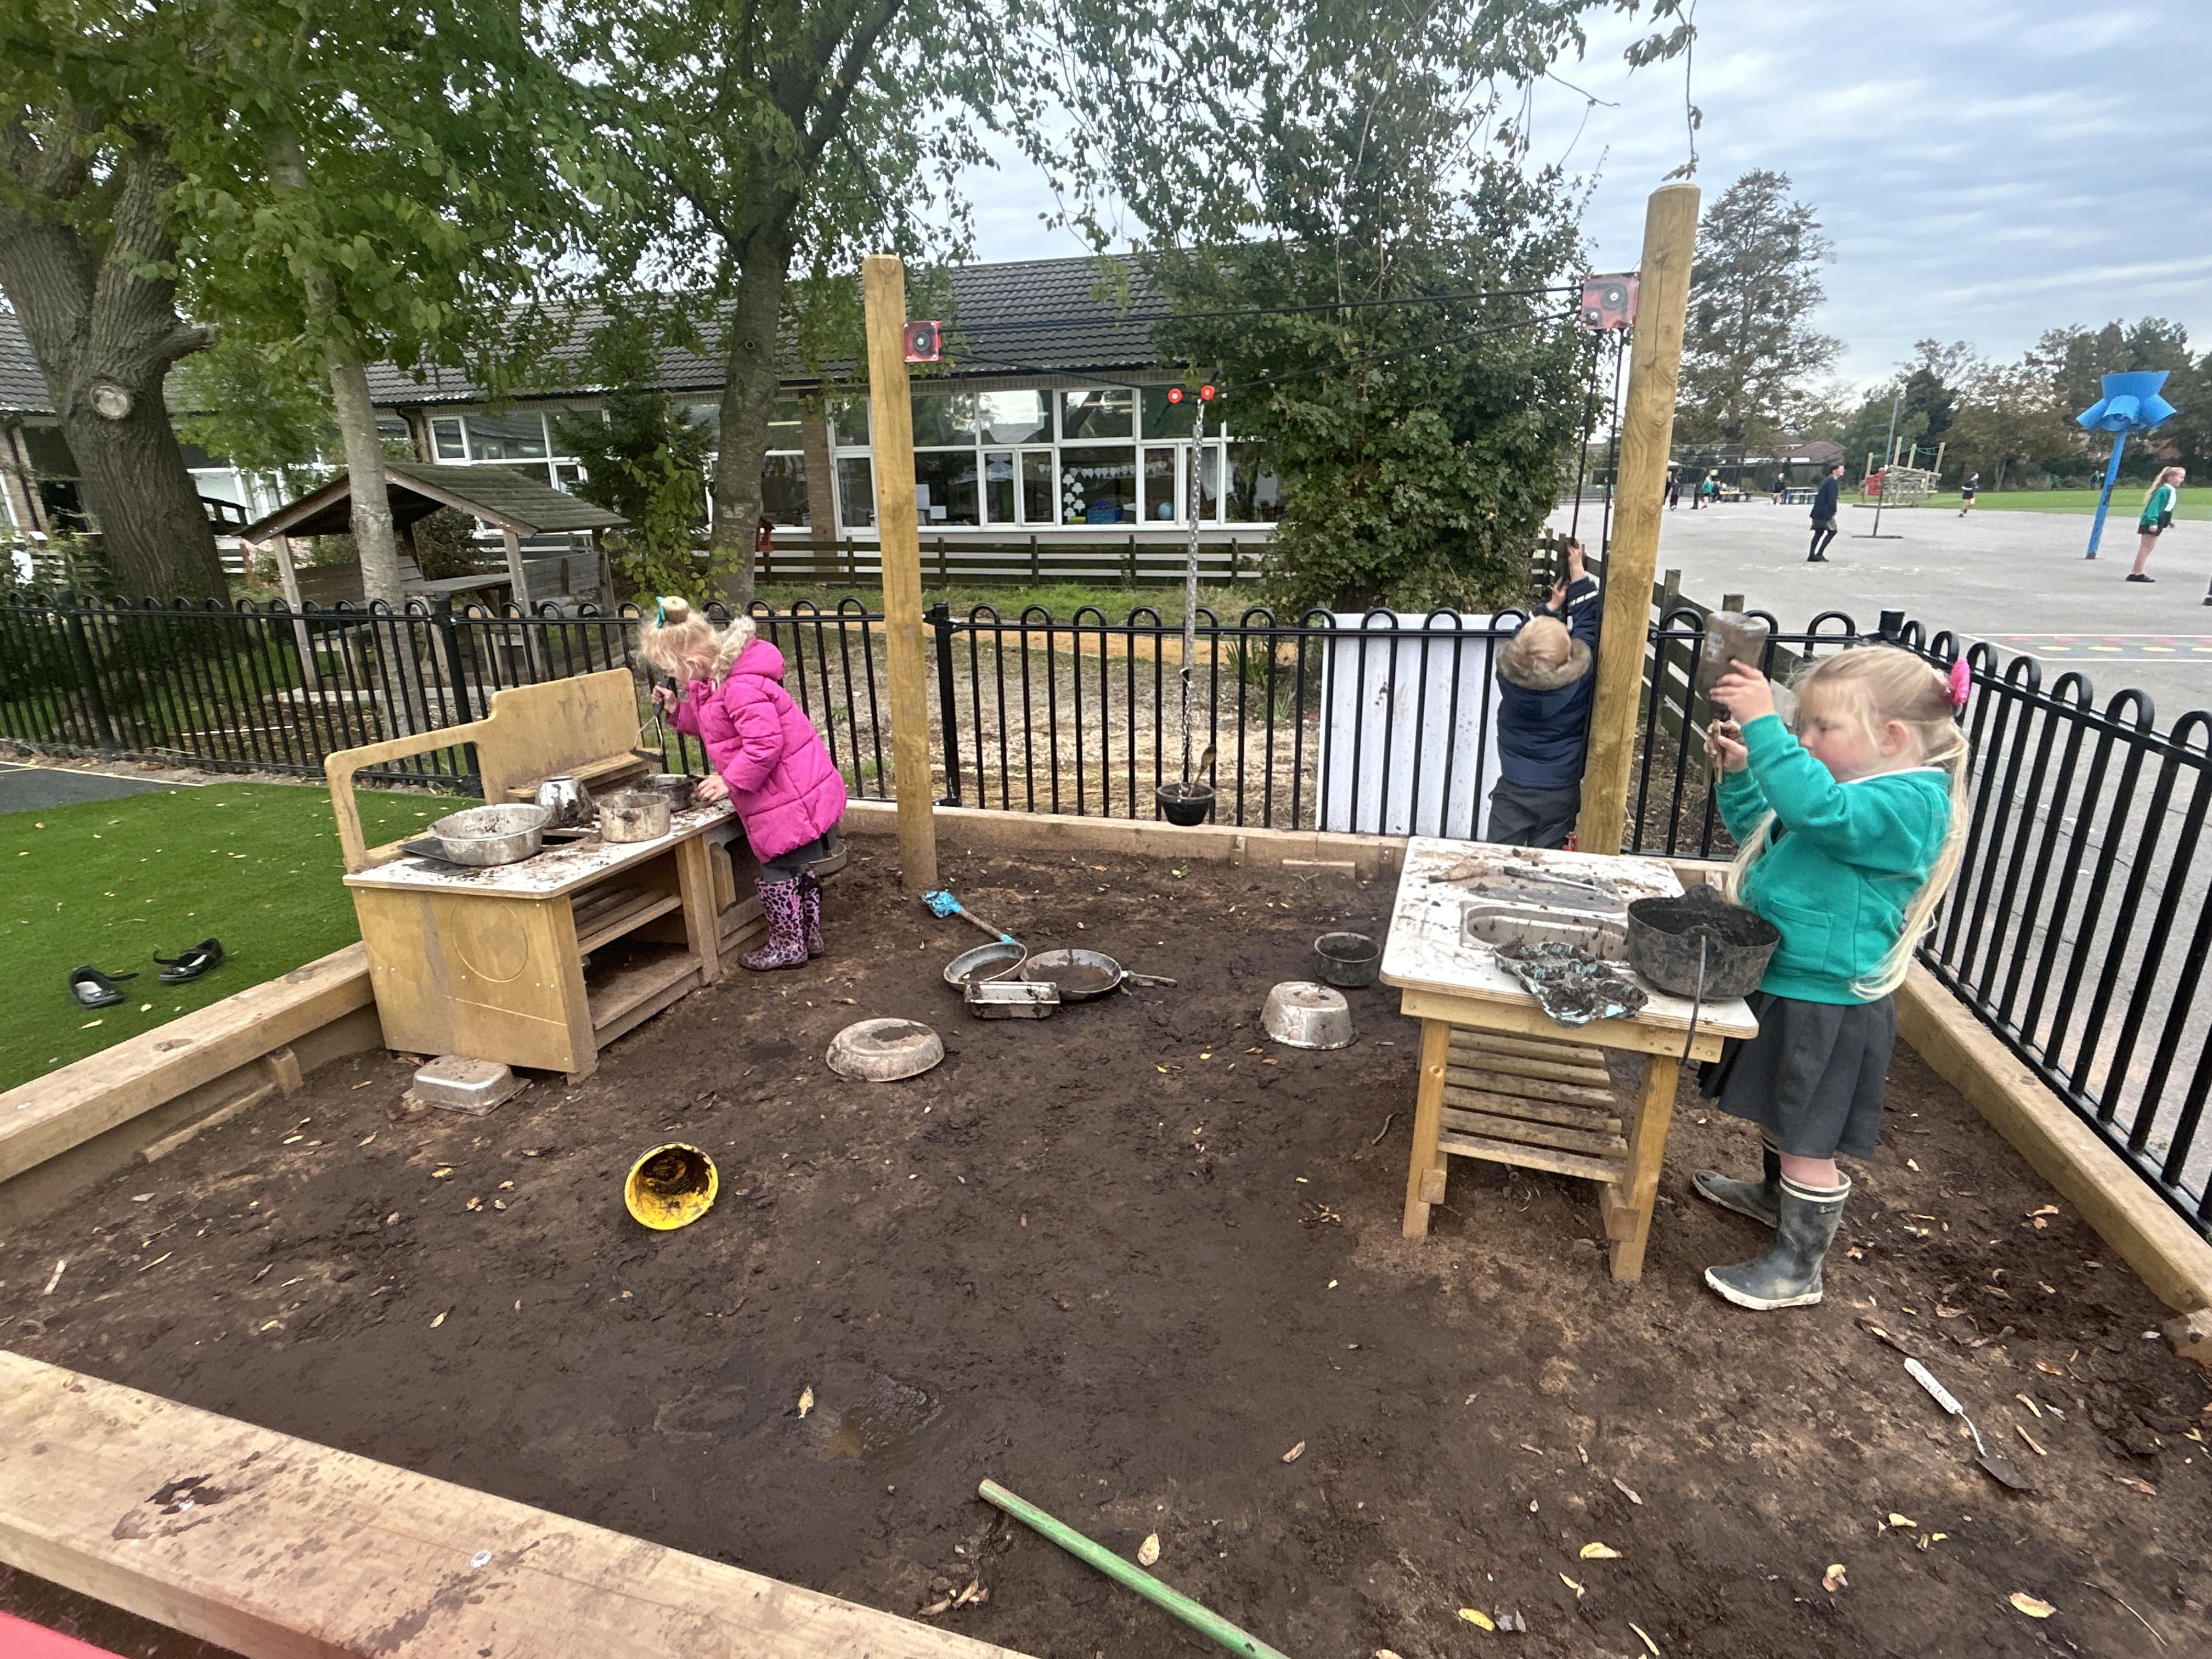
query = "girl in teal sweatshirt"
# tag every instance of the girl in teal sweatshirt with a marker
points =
(1851, 831)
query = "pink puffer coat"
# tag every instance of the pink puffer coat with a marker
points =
(786, 788)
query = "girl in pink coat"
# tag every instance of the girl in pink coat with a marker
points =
(769, 762)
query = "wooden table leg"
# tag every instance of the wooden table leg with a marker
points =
(1628, 1216)
(695, 881)
(1425, 1176)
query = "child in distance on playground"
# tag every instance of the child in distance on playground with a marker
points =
(1851, 835)
(770, 763)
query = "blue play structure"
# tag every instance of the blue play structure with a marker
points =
(2131, 404)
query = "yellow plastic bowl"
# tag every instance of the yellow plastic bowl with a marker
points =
(670, 1186)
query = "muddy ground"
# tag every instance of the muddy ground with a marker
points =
(1123, 1261)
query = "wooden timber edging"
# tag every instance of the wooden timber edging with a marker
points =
(49, 1115)
(279, 1548)
(1302, 852)
(2166, 1252)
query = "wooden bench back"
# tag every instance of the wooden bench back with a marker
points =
(584, 726)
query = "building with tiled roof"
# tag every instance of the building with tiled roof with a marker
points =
(1050, 416)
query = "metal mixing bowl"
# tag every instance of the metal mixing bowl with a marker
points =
(1301, 1014)
(485, 835)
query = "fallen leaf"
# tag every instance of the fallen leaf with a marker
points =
(1899, 1521)
(2048, 1209)
(1478, 1618)
(1648, 1641)
(1384, 1653)
(1572, 1585)
(1909, 1164)
(439, 1319)
(2030, 1404)
(1626, 1490)
(2030, 1605)
(1833, 1579)
(2030, 1438)
(1598, 1552)
(1149, 1551)
(1295, 1453)
(2050, 1369)
(440, 1174)
(2129, 1481)
(806, 1399)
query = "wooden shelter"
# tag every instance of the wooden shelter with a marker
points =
(516, 506)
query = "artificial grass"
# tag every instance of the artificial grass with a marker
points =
(110, 883)
(2127, 502)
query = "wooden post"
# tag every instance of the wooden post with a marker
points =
(287, 578)
(1655, 362)
(899, 543)
(520, 583)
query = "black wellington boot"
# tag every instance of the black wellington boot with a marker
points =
(1760, 1200)
(1789, 1274)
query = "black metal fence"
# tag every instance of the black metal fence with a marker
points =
(2077, 932)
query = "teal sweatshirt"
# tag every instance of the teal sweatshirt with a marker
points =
(2161, 502)
(1849, 859)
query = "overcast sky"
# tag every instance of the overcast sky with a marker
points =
(1985, 171)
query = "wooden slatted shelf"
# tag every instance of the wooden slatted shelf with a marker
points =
(634, 992)
(1537, 1104)
(605, 917)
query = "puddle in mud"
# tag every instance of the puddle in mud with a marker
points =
(888, 1414)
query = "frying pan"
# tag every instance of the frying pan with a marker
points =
(1083, 975)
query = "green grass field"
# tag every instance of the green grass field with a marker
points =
(1062, 599)
(2127, 501)
(110, 883)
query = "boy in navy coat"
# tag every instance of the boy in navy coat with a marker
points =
(1546, 677)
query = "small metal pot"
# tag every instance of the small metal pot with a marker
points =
(568, 801)
(677, 786)
(1351, 960)
(485, 835)
(638, 815)
(1300, 1014)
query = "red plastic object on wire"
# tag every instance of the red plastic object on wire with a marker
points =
(20, 1640)
(1175, 394)
(925, 343)
(1206, 394)
(1607, 302)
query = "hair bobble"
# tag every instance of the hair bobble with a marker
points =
(1962, 681)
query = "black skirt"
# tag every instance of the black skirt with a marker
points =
(1813, 1077)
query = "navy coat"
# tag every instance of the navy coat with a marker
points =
(1543, 714)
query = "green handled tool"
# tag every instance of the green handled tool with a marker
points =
(1207, 1623)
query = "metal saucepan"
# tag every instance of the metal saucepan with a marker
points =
(1083, 975)
(984, 963)
(568, 801)
(677, 786)
(638, 815)
(485, 835)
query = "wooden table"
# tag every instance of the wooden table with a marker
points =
(1500, 1081)
(542, 964)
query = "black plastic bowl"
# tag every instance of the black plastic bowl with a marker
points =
(1185, 803)
(1669, 939)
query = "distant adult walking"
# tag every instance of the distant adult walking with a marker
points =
(1967, 494)
(2157, 513)
(1825, 502)
(1673, 487)
(1697, 494)
(1781, 487)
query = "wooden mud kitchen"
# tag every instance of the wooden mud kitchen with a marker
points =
(1500, 1081)
(542, 964)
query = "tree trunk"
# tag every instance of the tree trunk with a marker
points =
(373, 539)
(104, 338)
(749, 388)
